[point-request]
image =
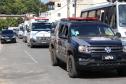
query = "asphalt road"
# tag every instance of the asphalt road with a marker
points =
(20, 64)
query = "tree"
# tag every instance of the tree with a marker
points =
(21, 6)
(10, 22)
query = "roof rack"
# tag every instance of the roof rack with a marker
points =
(79, 19)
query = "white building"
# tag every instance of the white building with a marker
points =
(66, 8)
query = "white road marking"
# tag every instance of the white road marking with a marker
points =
(33, 59)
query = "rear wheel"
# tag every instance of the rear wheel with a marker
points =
(31, 45)
(71, 67)
(2, 42)
(24, 39)
(14, 41)
(54, 59)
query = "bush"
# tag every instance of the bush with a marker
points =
(12, 22)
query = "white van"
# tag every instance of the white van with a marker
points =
(39, 33)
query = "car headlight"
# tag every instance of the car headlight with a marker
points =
(84, 49)
(2, 37)
(14, 37)
(124, 48)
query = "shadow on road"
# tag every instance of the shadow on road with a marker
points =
(100, 74)
(96, 74)
(39, 47)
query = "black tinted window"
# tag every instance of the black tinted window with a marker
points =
(7, 32)
(90, 30)
(41, 26)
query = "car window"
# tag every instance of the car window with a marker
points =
(65, 30)
(41, 26)
(61, 29)
(7, 32)
(91, 30)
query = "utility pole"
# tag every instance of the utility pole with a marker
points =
(68, 8)
(75, 7)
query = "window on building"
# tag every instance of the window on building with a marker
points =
(59, 5)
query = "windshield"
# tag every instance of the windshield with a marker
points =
(91, 30)
(122, 15)
(7, 32)
(41, 26)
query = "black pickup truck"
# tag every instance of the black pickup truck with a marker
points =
(87, 45)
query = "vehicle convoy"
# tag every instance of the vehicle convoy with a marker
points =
(8, 36)
(39, 32)
(84, 44)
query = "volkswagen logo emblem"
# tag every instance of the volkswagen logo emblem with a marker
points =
(108, 49)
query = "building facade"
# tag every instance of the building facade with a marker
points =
(66, 8)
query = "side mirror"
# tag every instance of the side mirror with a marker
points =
(28, 30)
(118, 34)
(53, 30)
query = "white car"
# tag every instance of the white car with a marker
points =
(20, 34)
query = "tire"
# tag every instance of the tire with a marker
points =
(28, 44)
(31, 45)
(24, 40)
(54, 59)
(14, 41)
(2, 42)
(71, 67)
(121, 71)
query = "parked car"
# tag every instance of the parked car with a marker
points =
(87, 45)
(8, 36)
(20, 34)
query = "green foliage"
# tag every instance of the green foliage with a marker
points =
(10, 22)
(21, 6)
